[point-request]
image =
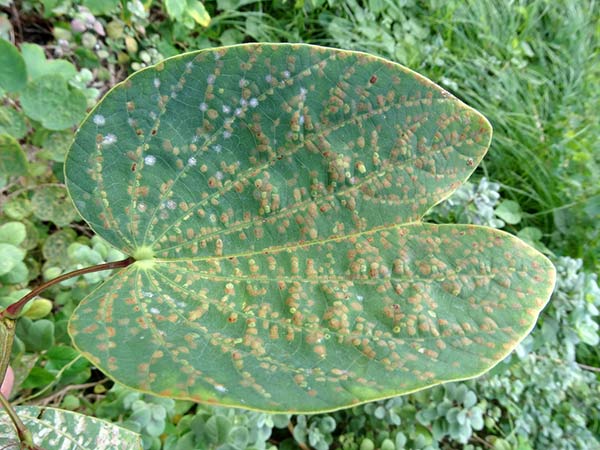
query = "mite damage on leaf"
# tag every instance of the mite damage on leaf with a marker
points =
(272, 197)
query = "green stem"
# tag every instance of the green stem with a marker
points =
(13, 311)
(49, 386)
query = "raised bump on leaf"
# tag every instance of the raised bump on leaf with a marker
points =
(278, 190)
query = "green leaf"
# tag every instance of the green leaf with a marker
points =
(38, 377)
(12, 233)
(17, 207)
(38, 308)
(55, 144)
(12, 122)
(55, 248)
(55, 428)
(509, 211)
(38, 66)
(18, 274)
(52, 204)
(175, 8)
(37, 335)
(101, 7)
(78, 370)
(13, 162)
(271, 196)
(53, 103)
(13, 74)
(10, 256)
(198, 12)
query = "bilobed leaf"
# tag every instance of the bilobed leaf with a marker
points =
(271, 196)
(57, 429)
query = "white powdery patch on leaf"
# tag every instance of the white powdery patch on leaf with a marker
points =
(109, 139)
(99, 119)
(150, 160)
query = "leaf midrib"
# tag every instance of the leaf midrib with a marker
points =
(252, 171)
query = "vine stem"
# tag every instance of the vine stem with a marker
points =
(7, 330)
(13, 311)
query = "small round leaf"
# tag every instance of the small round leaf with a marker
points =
(13, 74)
(53, 103)
(509, 211)
(52, 204)
(13, 162)
(10, 256)
(38, 66)
(17, 207)
(12, 122)
(12, 233)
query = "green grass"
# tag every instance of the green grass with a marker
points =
(531, 74)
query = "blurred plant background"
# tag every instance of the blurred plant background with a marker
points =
(532, 67)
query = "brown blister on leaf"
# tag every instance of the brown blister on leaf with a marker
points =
(273, 196)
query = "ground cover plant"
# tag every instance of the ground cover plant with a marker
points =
(498, 57)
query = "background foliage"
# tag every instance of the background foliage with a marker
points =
(530, 67)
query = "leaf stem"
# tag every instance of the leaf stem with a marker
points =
(7, 330)
(13, 311)
(23, 434)
(300, 444)
(7, 334)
